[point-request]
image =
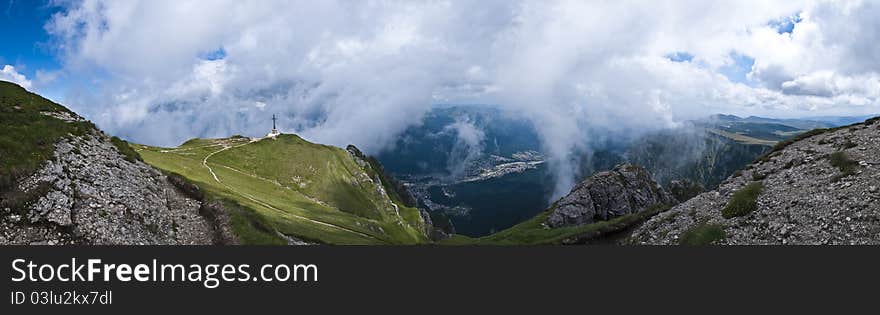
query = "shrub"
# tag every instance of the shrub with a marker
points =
(849, 144)
(743, 201)
(702, 234)
(128, 153)
(842, 162)
(27, 136)
(186, 187)
(756, 176)
(17, 200)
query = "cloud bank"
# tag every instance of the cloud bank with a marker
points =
(8, 73)
(340, 72)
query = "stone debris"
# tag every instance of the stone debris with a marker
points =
(95, 196)
(810, 202)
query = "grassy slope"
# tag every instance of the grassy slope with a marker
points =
(305, 190)
(27, 137)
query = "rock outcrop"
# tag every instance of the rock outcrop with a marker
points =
(624, 190)
(89, 193)
(820, 189)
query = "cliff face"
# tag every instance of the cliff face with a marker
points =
(624, 190)
(820, 189)
(88, 193)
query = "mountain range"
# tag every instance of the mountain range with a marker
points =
(467, 176)
(451, 174)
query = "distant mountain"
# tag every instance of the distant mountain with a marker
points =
(837, 121)
(807, 123)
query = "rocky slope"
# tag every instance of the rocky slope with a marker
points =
(87, 189)
(626, 189)
(820, 189)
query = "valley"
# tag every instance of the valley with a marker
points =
(453, 179)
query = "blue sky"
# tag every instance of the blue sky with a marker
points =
(360, 72)
(162, 71)
(25, 42)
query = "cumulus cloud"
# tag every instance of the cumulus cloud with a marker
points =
(8, 73)
(360, 72)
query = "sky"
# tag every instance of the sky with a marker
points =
(160, 72)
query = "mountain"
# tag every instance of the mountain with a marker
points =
(798, 123)
(63, 181)
(479, 169)
(295, 191)
(819, 188)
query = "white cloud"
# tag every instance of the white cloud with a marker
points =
(8, 73)
(360, 72)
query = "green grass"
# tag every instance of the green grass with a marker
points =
(533, 232)
(702, 234)
(27, 137)
(744, 201)
(305, 190)
(844, 163)
(250, 227)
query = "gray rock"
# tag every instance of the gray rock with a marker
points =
(95, 196)
(624, 190)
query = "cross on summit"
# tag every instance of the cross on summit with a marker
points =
(274, 132)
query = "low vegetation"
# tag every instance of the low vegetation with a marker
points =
(849, 144)
(127, 152)
(27, 136)
(685, 190)
(758, 176)
(844, 163)
(743, 201)
(703, 234)
(17, 200)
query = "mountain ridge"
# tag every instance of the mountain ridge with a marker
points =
(64, 181)
(820, 188)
